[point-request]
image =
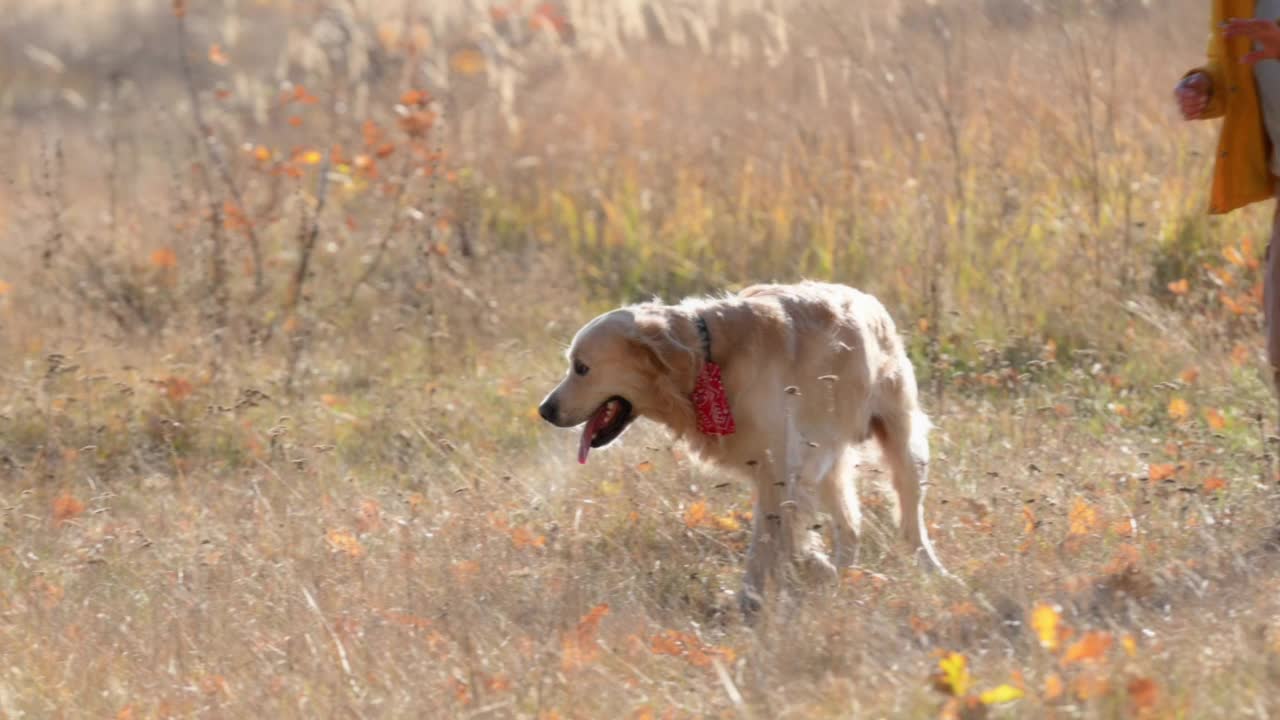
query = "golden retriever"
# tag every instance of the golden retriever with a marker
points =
(779, 382)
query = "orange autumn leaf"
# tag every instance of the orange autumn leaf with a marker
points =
(417, 124)
(579, 646)
(1082, 518)
(295, 121)
(164, 258)
(1237, 306)
(1224, 278)
(497, 683)
(214, 685)
(461, 693)
(1233, 256)
(5, 287)
(1126, 558)
(464, 571)
(217, 56)
(1213, 484)
(523, 538)
(1179, 409)
(415, 97)
(369, 517)
(1179, 287)
(371, 133)
(1160, 471)
(65, 507)
(1087, 687)
(311, 157)
(1214, 418)
(177, 389)
(644, 466)
(696, 514)
(1240, 355)
(666, 643)
(686, 645)
(1050, 351)
(232, 217)
(1190, 375)
(920, 625)
(467, 62)
(1091, 647)
(728, 523)
(298, 94)
(262, 153)
(1246, 249)
(1053, 687)
(343, 542)
(1143, 693)
(50, 594)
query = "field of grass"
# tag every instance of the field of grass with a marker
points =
(282, 282)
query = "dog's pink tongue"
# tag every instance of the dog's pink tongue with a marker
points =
(589, 433)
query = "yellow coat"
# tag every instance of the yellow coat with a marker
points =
(1241, 171)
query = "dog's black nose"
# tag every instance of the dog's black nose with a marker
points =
(549, 410)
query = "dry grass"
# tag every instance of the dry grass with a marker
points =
(325, 493)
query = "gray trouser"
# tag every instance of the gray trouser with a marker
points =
(1271, 297)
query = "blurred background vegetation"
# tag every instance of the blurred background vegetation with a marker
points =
(281, 282)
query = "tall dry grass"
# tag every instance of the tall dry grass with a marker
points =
(273, 323)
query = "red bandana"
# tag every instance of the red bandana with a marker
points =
(714, 416)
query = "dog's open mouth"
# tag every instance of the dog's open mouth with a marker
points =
(605, 425)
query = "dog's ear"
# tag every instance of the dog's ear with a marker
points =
(656, 336)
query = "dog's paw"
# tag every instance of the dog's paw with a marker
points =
(816, 569)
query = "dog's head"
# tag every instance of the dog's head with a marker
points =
(622, 365)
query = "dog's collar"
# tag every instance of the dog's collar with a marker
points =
(705, 336)
(710, 403)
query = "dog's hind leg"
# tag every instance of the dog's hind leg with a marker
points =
(904, 437)
(806, 496)
(839, 497)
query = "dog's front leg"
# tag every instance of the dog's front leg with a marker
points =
(771, 537)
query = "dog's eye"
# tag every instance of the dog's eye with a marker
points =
(579, 368)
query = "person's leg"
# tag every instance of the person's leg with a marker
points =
(1271, 301)
(1271, 311)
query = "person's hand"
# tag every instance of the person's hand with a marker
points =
(1193, 95)
(1266, 33)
